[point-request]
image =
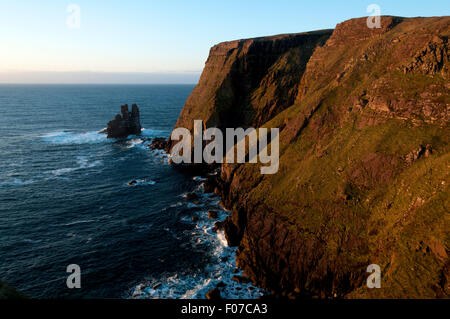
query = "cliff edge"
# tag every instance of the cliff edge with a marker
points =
(364, 157)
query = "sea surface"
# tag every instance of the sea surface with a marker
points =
(65, 199)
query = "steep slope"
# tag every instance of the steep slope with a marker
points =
(364, 159)
(246, 82)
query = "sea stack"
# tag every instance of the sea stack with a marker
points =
(125, 124)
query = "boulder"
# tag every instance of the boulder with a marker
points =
(231, 233)
(133, 182)
(160, 143)
(212, 214)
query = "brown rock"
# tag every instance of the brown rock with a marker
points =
(231, 233)
(212, 214)
(126, 124)
(213, 294)
(159, 143)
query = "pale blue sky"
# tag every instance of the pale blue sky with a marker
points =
(166, 36)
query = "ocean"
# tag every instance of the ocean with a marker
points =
(65, 199)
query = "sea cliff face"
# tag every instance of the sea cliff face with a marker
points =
(364, 153)
(247, 82)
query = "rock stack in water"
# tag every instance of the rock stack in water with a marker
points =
(126, 124)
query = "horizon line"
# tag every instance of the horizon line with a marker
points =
(96, 83)
(91, 77)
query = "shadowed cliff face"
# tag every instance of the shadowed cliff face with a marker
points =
(364, 153)
(247, 82)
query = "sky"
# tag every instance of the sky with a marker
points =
(165, 41)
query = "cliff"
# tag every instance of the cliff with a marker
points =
(364, 153)
(247, 82)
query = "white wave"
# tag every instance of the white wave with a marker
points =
(195, 285)
(83, 163)
(16, 182)
(134, 142)
(161, 155)
(79, 222)
(63, 171)
(222, 240)
(63, 137)
(192, 293)
(94, 137)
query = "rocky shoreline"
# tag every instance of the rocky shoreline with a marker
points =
(7, 292)
(214, 184)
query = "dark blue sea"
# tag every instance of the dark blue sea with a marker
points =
(65, 199)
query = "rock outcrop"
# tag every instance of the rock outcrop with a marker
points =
(364, 152)
(7, 292)
(125, 124)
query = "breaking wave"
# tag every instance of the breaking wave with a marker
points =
(220, 269)
(63, 137)
(83, 163)
(94, 137)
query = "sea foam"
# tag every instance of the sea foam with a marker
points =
(63, 137)
(221, 267)
(83, 163)
(94, 137)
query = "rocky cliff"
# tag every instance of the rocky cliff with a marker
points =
(364, 156)
(247, 82)
(125, 124)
